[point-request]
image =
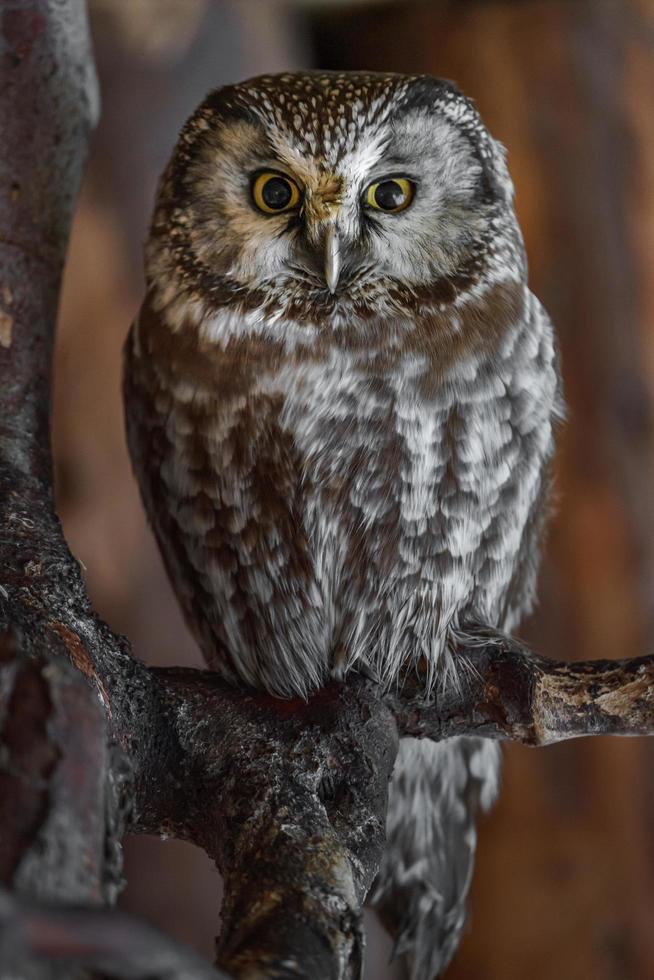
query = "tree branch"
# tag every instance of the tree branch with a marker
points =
(48, 107)
(289, 797)
(506, 691)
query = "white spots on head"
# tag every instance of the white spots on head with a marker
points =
(327, 114)
(326, 130)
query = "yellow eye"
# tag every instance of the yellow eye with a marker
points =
(273, 193)
(392, 194)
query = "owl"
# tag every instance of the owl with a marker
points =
(340, 399)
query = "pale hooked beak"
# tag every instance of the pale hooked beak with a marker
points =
(332, 258)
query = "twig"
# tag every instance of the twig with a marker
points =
(506, 691)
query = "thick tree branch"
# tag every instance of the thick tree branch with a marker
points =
(53, 769)
(289, 797)
(52, 776)
(49, 104)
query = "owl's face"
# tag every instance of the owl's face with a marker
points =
(328, 192)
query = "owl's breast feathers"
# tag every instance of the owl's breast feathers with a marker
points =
(320, 502)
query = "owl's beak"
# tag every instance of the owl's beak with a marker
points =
(332, 258)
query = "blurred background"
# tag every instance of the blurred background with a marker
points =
(565, 877)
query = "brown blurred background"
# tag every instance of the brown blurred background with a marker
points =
(565, 880)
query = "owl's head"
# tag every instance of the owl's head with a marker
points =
(318, 192)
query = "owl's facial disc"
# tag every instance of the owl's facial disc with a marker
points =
(324, 194)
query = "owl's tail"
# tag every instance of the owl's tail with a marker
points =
(422, 888)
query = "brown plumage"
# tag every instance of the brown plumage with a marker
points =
(339, 397)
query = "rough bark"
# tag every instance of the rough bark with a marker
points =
(289, 797)
(508, 692)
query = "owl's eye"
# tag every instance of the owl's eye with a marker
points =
(273, 193)
(392, 194)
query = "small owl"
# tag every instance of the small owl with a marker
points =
(340, 397)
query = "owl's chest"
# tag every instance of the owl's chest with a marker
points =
(371, 481)
(405, 475)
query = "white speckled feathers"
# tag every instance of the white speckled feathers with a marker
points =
(353, 473)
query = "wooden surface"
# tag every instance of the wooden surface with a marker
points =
(565, 881)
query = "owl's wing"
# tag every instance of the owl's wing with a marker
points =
(220, 481)
(148, 408)
(521, 591)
